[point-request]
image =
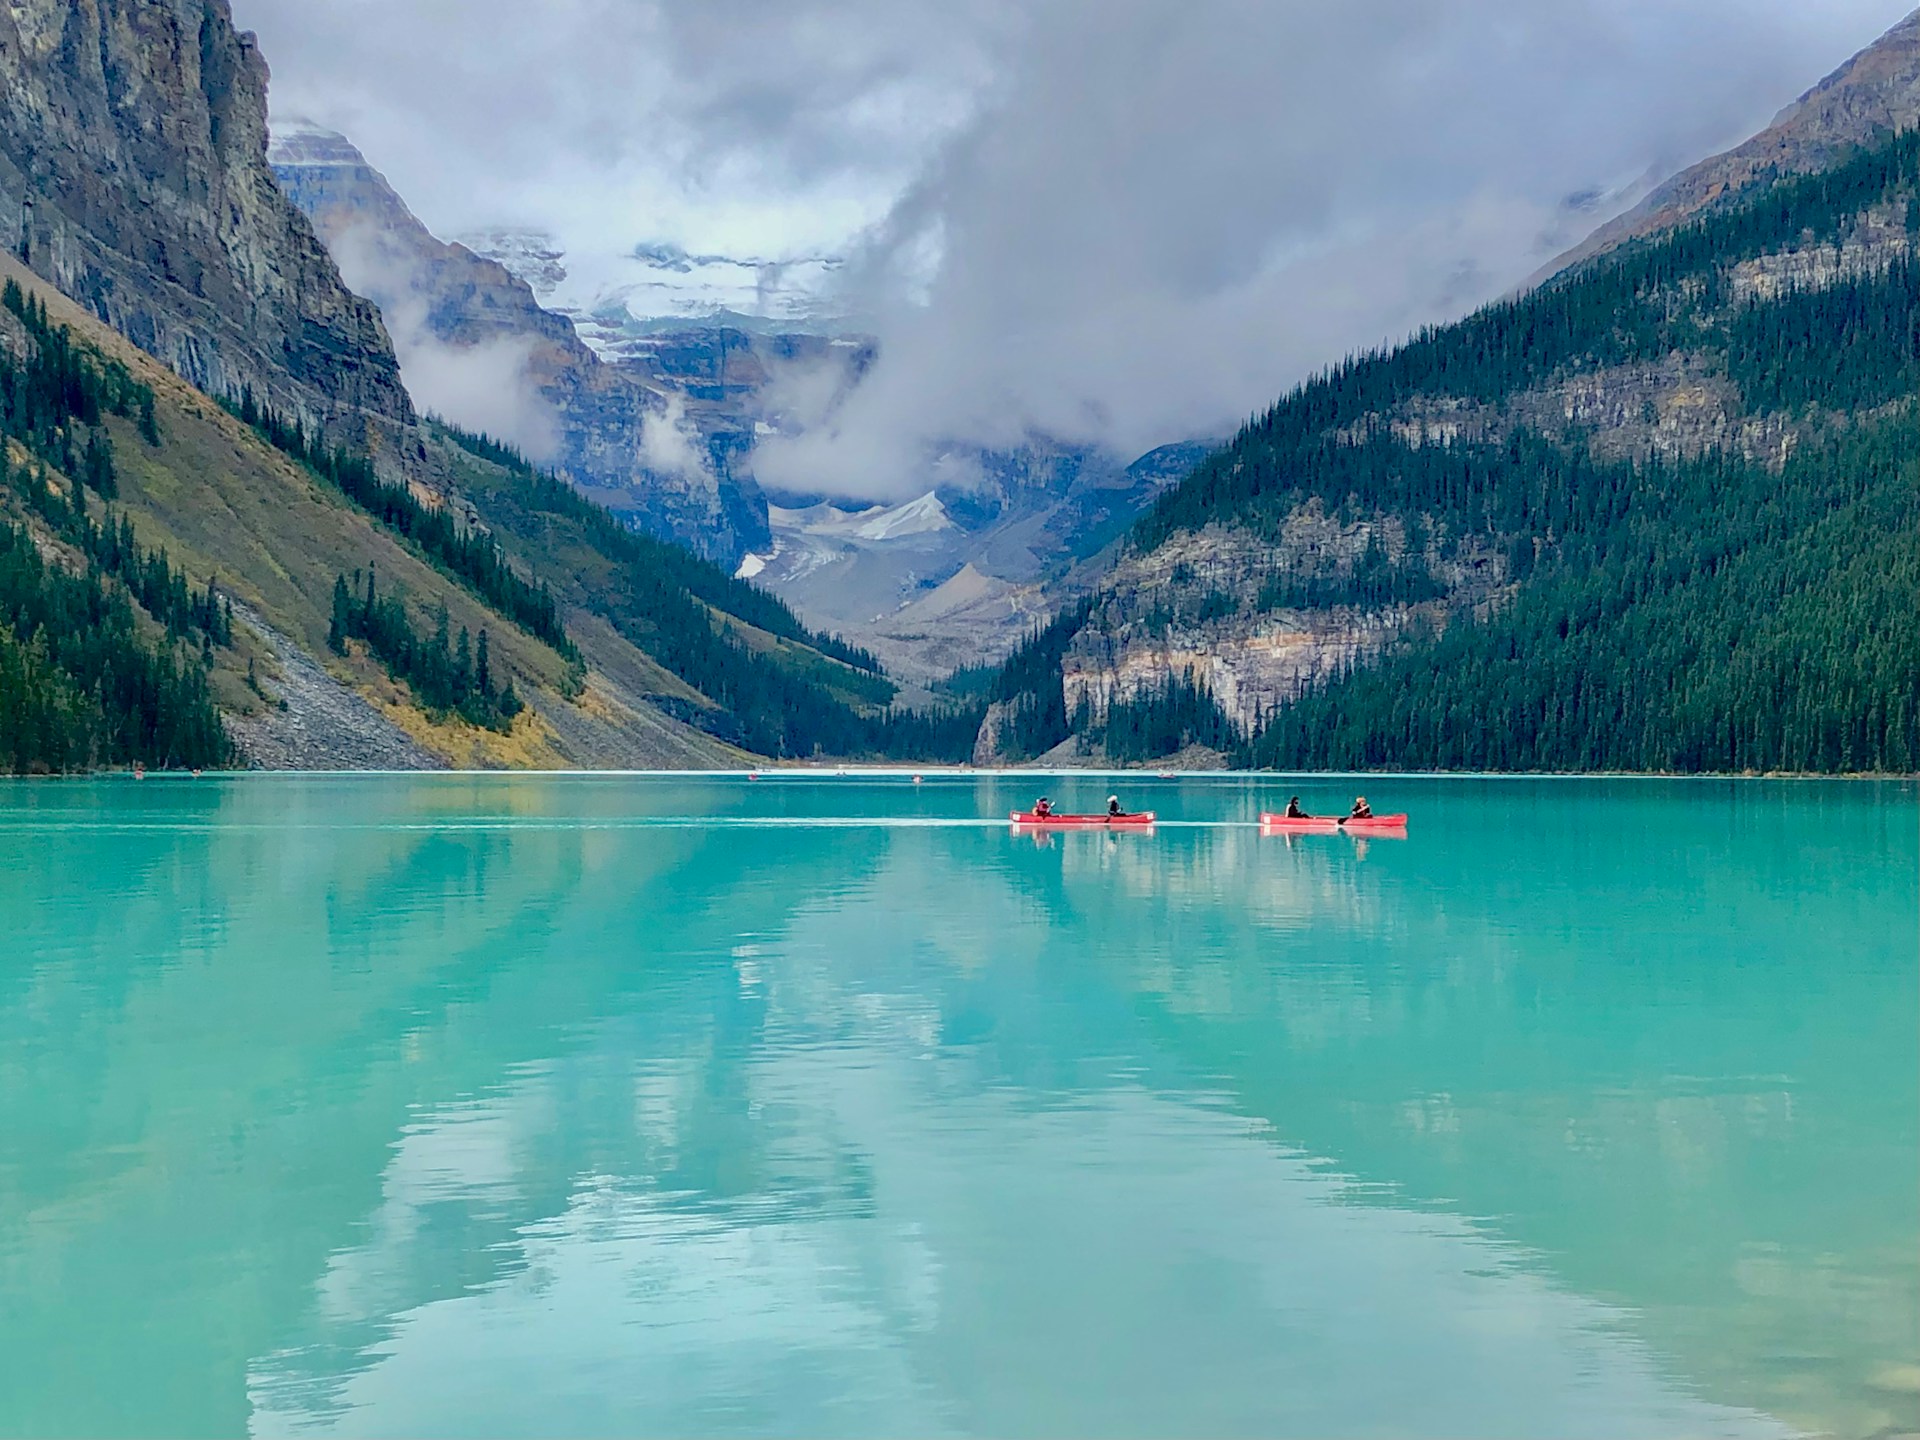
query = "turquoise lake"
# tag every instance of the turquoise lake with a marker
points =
(822, 1105)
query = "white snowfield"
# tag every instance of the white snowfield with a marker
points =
(923, 516)
(614, 300)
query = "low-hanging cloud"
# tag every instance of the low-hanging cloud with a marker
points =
(1167, 217)
(670, 445)
(480, 387)
(1112, 224)
(483, 385)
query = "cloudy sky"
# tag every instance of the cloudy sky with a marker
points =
(1123, 222)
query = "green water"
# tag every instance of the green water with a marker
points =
(681, 1106)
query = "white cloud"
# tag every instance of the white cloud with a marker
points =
(670, 445)
(1124, 223)
(484, 386)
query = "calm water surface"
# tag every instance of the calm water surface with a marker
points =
(577, 1106)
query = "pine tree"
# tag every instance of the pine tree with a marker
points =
(341, 625)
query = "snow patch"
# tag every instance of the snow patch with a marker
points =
(879, 523)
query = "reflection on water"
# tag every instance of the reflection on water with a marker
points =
(457, 1105)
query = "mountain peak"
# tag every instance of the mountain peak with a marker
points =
(1875, 92)
(296, 141)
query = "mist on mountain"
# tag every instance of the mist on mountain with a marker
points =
(1116, 225)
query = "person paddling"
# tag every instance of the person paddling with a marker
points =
(1043, 807)
(1361, 810)
(1294, 812)
(1114, 812)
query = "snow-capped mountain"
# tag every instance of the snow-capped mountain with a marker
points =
(654, 377)
(527, 254)
(617, 302)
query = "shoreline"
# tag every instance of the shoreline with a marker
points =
(790, 770)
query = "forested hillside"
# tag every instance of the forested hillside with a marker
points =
(1659, 515)
(101, 662)
(498, 618)
(768, 683)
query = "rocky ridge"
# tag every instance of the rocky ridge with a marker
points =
(1874, 93)
(478, 345)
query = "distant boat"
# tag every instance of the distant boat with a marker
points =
(1027, 817)
(1328, 823)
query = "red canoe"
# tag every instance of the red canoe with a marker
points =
(1027, 817)
(1331, 823)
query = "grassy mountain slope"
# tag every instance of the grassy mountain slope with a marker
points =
(225, 505)
(664, 659)
(1658, 515)
(726, 655)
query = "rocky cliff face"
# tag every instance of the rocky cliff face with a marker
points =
(133, 175)
(1213, 605)
(478, 347)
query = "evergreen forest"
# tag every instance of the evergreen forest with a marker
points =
(104, 645)
(1725, 612)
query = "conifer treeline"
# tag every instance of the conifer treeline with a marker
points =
(1031, 690)
(1728, 620)
(1637, 303)
(62, 382)
(681, 610)
(1850, 346)
(81, 684)
(449, 677)
(467, 554)
(1163, 719)
(545, 492)
(163, 591)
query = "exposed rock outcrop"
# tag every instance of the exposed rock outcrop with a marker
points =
(1202, 606)
(1675, 408)
(133, 175)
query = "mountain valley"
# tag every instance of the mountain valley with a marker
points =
(658, 417)
(327, 490)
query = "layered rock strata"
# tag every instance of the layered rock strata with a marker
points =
(133, 175)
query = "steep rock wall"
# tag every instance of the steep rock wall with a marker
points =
(1195, 606)
(133, 175)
